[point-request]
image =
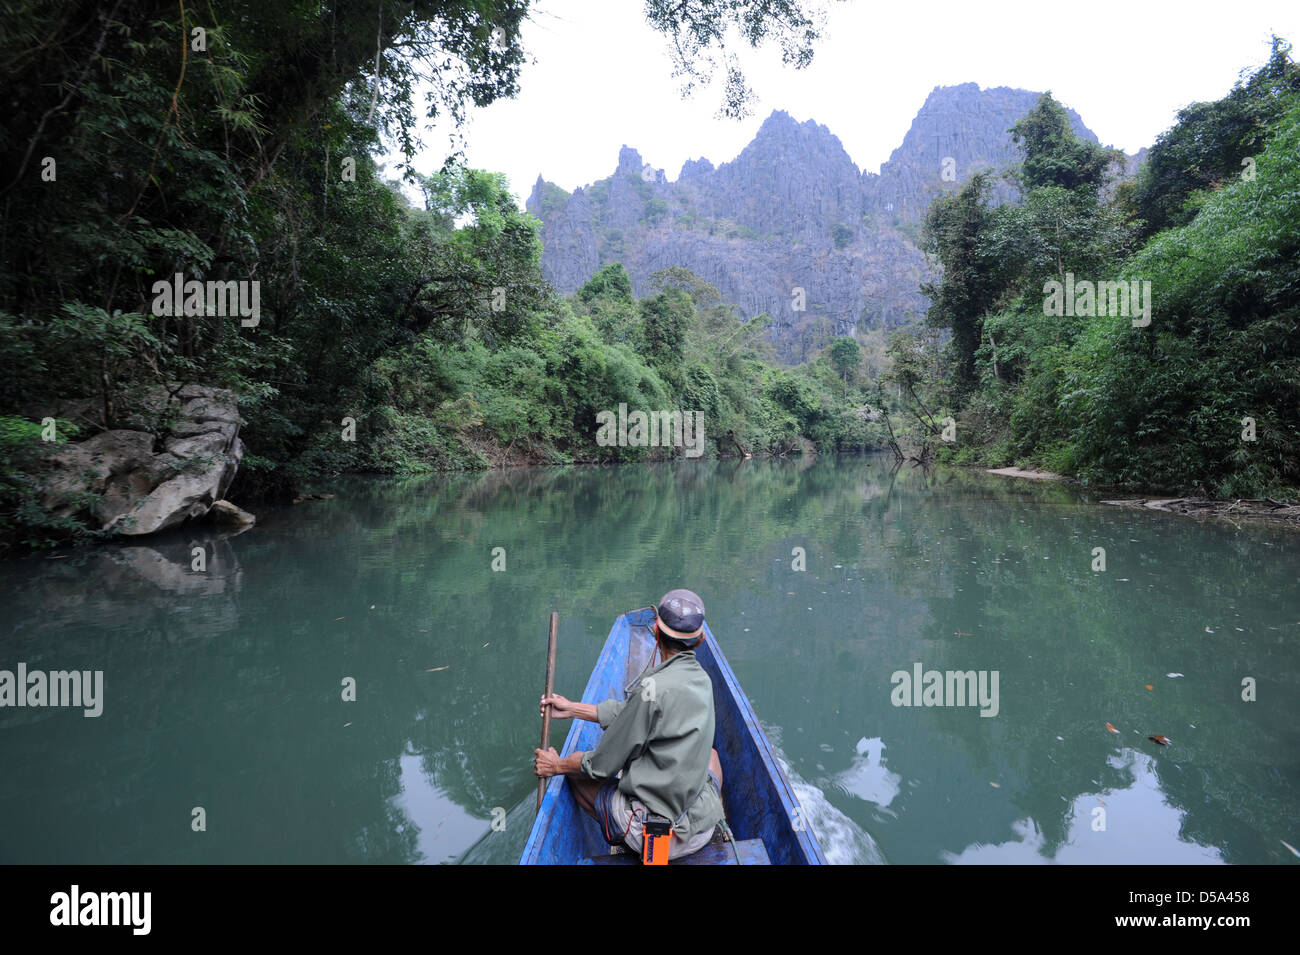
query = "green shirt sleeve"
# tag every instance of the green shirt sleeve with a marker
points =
(629, 727)
(607, 710)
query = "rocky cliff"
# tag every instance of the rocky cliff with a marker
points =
(791, 212)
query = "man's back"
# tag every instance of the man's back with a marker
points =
(661, 738)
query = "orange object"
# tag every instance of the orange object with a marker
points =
(1150, 687)
(1162, 740)
(655, 840)
(1111, 728)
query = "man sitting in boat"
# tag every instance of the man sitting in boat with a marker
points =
(656, 755)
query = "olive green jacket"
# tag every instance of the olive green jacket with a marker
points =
(661, 737)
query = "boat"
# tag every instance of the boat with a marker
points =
(767, 824)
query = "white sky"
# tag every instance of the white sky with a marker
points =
(602, 78)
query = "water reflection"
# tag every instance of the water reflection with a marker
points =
(1131, 825)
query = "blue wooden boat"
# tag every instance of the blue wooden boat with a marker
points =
(764, 817)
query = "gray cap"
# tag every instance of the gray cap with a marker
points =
(681, 614)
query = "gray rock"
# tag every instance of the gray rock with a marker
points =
(133, 486)
(223, 512)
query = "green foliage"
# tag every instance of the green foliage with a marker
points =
(1054, 156)
(845, 355)
(611, 282)
(23, 520)
(552, 198)
(1163, 406)
(664, 319)
(654, 211)
(957, 227)
(1213, 143)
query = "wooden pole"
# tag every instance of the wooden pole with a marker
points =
(546, 711)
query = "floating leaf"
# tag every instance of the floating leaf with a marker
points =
(1162, 740)
(1150, 687)
(1111, 728)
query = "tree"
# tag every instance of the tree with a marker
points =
(607, 298)
(956, 232)
(696, 30)
(665, 318)
(845, 355)
(1054, 156)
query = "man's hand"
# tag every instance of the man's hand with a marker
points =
(546, 762)
(565, 709)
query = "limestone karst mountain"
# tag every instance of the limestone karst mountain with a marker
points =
(792, 211)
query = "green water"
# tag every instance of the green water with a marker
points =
(223, 688)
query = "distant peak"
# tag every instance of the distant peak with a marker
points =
(781, 123)
(629, 160)
(693, 168)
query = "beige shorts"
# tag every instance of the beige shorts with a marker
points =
(629, 816)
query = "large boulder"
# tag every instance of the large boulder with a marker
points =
(137, 482)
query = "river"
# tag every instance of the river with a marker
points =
(226, 735)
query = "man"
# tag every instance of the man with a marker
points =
(660, 739)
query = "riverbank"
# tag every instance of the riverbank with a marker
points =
(1265, 509)
(1200, 507)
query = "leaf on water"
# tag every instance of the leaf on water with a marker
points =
(1150, 687)
(1111, 728)
(1162, 740)
(436, 669)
